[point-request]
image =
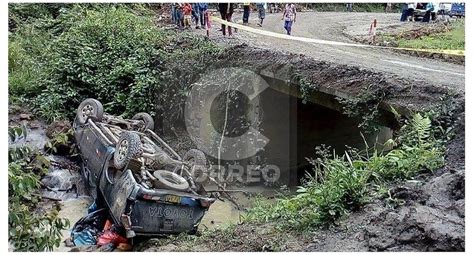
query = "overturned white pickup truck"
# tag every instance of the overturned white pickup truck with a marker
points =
(148, 188)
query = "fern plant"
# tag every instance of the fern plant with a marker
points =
(421, 127)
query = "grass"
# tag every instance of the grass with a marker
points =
(343, 183)
(452, 40)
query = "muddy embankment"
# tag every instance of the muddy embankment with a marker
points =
(422, 214)
(344, 80)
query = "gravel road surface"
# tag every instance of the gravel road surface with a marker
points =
(341, 27)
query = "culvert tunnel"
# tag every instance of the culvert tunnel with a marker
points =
(292, 125)
(293, 134)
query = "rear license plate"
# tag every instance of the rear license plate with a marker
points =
(173, 199)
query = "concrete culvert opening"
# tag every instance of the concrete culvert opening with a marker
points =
(309, 125)
(293, 127)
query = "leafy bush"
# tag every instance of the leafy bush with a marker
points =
(184, 59)
(114, 53)
(23, 69)
(342, 183)
(29, 230)
(109, 55)
(20, 13)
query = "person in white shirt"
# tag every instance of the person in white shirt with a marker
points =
(289, 15)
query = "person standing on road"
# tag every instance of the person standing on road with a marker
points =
(388, 7)
(261, 13)
(179, 15)
(196, 14)
(206, 21)
(404, 16)
(442, 7)
(411, 11)
(289, 15)
(173, 13)
(429, 8)
(245, 18)
(349, 7)
(202, 14)
(226, 10)
(188, 10)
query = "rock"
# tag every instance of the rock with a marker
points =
(57, 127)
(59, 180)
(84, 248)
(63, 184)
(35, 124)
(25, 116)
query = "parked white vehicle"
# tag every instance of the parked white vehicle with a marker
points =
(420, 10)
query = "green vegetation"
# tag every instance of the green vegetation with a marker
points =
(342, 183)
(115, 54)
(454, 39)
(451, 40)
(28, 228)
(356, 7)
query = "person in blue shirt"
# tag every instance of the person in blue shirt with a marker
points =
(261, 13)
(196, 14)
(202, 11)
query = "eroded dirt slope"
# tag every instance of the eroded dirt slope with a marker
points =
(398, 91)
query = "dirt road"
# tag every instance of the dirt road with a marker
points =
(343, 26)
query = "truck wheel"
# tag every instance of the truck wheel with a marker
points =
(169, 180)
(128, 147)
(199, 163)
(433, 16)
(90, 108)
(146, 118)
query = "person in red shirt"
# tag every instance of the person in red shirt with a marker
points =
(187, 9)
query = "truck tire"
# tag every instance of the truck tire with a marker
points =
(90, 108)
(128, 147)
(146, 118)
(199, 162)
(169, 180)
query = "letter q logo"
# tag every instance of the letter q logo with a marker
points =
(198, 113)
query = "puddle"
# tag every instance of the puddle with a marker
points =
(220, 213)
(225, 212)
